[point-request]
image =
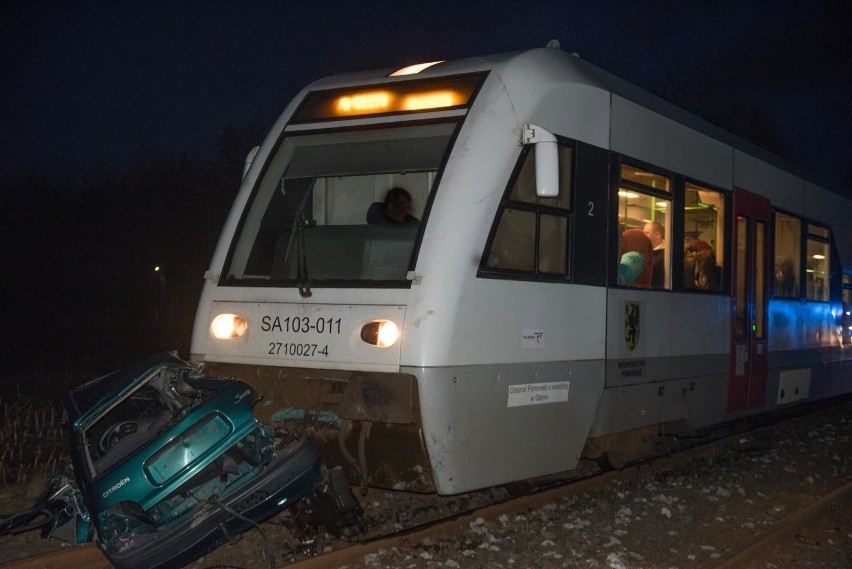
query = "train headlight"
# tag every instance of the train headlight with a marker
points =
(227, 326)
(381, 333)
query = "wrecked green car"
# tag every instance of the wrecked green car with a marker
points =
(171, 464)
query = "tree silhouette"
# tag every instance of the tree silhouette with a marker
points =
(79, 258)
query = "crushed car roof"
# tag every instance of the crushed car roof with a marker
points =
(81, 400)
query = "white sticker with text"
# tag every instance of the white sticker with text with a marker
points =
(537, 393)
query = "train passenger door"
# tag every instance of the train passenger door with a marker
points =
(749, 330)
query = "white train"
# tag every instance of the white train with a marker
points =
(582, 269)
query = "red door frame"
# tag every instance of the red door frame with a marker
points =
(750, 294)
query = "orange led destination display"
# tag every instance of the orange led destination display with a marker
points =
(391, 98)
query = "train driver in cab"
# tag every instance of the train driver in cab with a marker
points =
(395, 210)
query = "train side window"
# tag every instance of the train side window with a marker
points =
(553, 236)
(788, 256)
(514, 243)
(846, 317)
(644, 207)
(531, 235)
(704, 238)
(759, 278)
(818, 262)
(740, 274)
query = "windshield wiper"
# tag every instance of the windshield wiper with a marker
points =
(303, 280)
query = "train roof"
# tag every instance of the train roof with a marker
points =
(595, 76)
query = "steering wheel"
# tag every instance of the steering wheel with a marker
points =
(115, 433)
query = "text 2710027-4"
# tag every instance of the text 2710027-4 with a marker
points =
(297, 349)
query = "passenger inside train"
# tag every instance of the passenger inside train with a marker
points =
(700, 270)
(636, 268)
(657, 234)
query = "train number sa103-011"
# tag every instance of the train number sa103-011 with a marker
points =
(299, 325)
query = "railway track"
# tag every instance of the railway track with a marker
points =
(819, 535)
(764, 544)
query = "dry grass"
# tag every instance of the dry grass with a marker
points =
(33, 443)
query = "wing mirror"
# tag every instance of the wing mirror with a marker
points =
(546, 159)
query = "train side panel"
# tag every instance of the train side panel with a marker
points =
(486, 425)
(667, 360)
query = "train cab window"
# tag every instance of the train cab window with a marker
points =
(788, 256)
(704, 238)
(310, 219)
(818, 262)
(531, 235)
(644, 219)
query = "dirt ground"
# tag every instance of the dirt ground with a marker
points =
(689, 518)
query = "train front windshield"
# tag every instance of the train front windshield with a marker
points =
(317, 216)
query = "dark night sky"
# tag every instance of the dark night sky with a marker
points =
(97, 83)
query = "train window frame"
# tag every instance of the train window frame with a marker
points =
(761, 232)
(631, 184)
(510, 255)
(229, 278)
(697, 243)
(817, 262)
(787, 277)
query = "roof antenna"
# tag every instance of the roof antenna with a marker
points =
(553, 44)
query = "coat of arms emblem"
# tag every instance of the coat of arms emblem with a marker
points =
(631, 325)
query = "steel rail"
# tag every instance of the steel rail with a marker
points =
(785, 531)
